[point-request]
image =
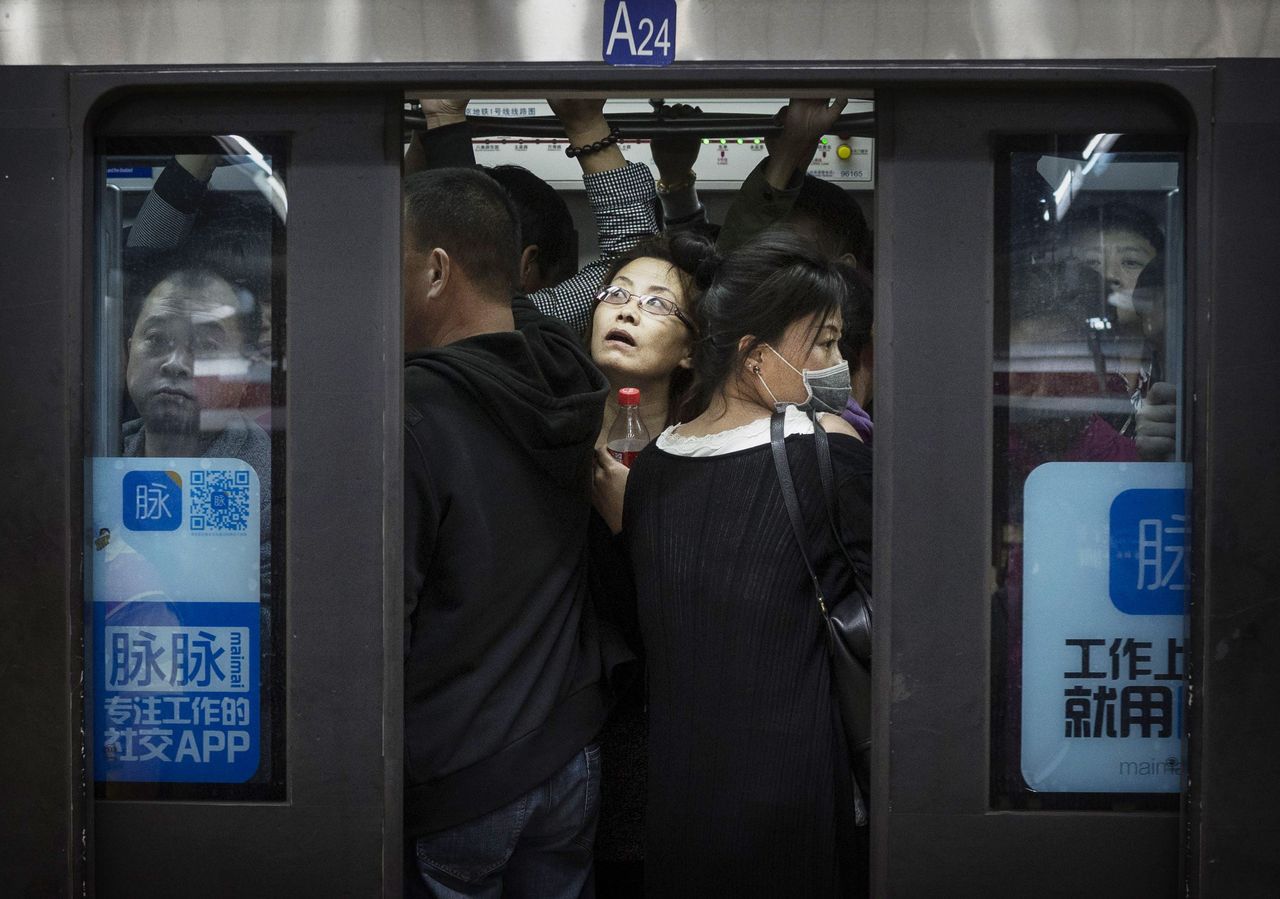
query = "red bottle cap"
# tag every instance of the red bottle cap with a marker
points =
(629, 396)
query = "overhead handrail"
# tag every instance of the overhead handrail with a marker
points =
(645, 125)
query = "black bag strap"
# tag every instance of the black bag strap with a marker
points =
(827, 476)
(777, 438)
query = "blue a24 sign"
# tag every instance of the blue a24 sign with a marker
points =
(639, 32)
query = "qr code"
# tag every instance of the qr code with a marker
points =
(219, 500)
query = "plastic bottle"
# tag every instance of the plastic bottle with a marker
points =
(628, 435)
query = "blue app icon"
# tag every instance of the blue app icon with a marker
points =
(152, 500)
(1150, 552)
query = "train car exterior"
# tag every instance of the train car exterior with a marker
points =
(316, 91)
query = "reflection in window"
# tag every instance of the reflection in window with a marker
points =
(1090, 500)
(184, 508)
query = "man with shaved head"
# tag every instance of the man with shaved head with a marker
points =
(187, 357)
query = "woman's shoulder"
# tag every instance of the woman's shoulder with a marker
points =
(835, 424)
(848, 451)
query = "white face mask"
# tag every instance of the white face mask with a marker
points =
(827, 389)
(1122, 300)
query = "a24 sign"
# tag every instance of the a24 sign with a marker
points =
(639, 32)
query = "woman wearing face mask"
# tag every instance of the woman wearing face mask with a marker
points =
(745, 797)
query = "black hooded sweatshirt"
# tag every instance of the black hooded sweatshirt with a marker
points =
(504, 659)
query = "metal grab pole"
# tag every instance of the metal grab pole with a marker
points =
(642, 126)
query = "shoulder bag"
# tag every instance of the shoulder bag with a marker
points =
(846, 619)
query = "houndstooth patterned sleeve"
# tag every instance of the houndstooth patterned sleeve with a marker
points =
(622, 201)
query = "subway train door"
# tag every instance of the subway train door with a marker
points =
(242, 492)
(1033, 549)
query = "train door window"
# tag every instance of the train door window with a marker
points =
(1090, 512)
(184, 485)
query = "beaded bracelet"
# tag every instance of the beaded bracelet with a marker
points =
(688, 180)
(588, 149)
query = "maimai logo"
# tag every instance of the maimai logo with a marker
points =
(152, 500)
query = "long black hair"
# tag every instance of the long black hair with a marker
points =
(756, 292)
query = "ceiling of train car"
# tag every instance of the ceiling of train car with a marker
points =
(128, 32)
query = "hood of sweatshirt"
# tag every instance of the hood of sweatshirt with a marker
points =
(537, 383)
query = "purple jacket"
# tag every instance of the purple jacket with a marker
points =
(861, 421)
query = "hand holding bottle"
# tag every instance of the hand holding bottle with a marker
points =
(628, 435)
(608, 487)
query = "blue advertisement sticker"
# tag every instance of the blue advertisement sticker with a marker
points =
(177, 530)
(639, 32)
(175, 549)
(176, 692)
(1103, 650)
(1149, 552)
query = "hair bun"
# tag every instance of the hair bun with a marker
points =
(707, 269)
(695, 254)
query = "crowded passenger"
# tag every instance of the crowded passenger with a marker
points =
(188, 353)
(1118, 241)
(857, 346)
(828, 215)
(171, 206)
(621, 195)
(640, 334)
(195, 323)
(550, 251)
(674, 156)
(1124, 248)
(779, 191)
(744, 798)
(505, 668)
(1064, 404)
(770, 190)
(1156, 421)
(643, 334)
(764, 200)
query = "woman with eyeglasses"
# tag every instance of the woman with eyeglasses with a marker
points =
(641, 334)
(642, 331)
(745, 791)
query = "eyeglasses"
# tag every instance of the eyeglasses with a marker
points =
(620, 296)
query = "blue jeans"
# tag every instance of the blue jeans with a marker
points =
(538, 846)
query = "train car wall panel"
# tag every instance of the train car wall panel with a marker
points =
(40, 686)
(1233, 809)
(120, 32)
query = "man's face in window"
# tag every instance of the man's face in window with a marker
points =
(186, 353)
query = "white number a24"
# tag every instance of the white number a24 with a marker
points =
(649, 38)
